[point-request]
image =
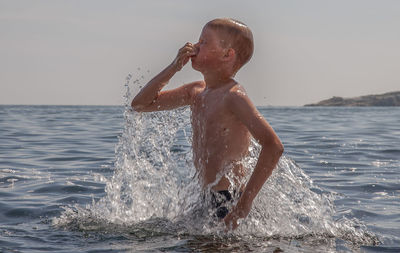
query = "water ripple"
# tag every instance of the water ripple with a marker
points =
(54, 157)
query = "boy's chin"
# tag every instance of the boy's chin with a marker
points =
(194, 66)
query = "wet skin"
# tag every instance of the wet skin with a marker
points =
(220, 140)
(223, 119)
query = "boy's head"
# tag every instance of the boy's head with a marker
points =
(236, 35)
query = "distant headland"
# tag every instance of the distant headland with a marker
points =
(386, 99)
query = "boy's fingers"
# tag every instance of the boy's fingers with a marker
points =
(190, 53)
(187, 51)
(188, 45)
(184, 55)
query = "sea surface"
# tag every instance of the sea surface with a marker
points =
(106, 179)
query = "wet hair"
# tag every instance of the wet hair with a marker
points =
(239, 37)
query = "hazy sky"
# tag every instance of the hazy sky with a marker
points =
(79, 52)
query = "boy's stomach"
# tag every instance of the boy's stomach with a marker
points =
(224, 185)
(215, 156)
(215, 176)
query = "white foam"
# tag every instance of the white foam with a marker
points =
(155, 184)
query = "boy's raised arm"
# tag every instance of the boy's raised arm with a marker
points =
(150, 98)
(271, 151)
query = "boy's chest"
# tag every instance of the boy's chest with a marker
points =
(209, 110)
(208, 106)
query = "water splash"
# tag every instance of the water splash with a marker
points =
(155, 190)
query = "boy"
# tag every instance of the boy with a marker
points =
(223, 117)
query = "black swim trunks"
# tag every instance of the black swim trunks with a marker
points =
(222, 201)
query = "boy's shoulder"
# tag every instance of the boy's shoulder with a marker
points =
(237, 99)
(201, 84)
(198, 85)
(195, 88)
(237, 91)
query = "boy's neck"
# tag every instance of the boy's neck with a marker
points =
(216, 81)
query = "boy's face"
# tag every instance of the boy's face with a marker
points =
(209, 51)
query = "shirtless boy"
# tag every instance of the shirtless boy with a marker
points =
(223, 117)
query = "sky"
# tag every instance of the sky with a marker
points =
(69, 52)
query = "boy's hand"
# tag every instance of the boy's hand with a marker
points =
(184, 55)
(238, 212)
(231, 221)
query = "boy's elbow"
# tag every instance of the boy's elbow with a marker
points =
(279, 149)
(136, 107)
(275, 148)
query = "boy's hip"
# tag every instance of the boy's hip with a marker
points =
(222, 202)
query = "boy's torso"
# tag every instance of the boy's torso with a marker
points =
(220, 140)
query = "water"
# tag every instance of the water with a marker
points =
(102, 179)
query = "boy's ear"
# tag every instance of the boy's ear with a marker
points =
(229, 54)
